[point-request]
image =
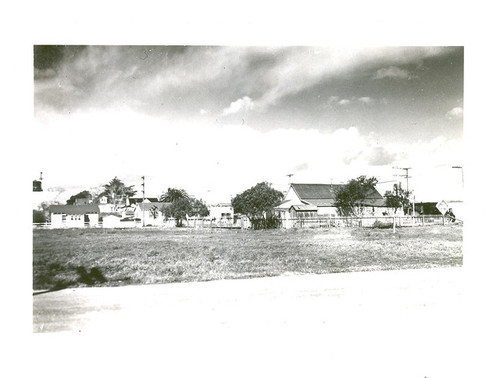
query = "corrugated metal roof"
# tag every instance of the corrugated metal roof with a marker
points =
(74, 209)
(324, 195)
(317, 191)
(321, 202)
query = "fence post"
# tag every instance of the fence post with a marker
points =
(393, 224)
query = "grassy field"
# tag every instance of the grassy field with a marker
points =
(100, 257)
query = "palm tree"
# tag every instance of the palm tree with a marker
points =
(181, 204)
(117, 190)
(173, 195)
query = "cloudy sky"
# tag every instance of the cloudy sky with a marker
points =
(217, 120)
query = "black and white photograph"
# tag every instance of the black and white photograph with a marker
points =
(180, 179)
(296, 203)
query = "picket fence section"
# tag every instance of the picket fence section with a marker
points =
(373, 222)
(310, 222)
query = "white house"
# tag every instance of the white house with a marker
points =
(310, 200)
(221, 211)
(150, 213)
(73, 215)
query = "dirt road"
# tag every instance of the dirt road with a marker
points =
(406, 322)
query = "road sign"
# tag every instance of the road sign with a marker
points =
(442, 207)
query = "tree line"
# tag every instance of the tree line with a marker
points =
(257, 202)
(178, 203)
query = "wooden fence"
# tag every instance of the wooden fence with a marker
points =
(170, 223)
(310, 222)
(374, 222)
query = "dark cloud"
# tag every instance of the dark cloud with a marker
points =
(46, 57)
(49, 57)
(289, 87)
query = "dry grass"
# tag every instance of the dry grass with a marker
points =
(99, 257)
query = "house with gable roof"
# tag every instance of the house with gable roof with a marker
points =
(150, 212)
(312, 200)
(74, 215)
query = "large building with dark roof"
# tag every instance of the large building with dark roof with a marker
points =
(319, 199)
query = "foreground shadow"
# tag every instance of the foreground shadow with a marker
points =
(89, 278)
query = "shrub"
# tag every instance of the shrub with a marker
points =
(39, 216)
(379, 224)
(272, 221)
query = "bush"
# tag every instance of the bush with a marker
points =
(379, 224)
(266, 223)
(39, 216)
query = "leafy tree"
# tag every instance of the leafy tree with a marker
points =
(198, 208)
(84, 194)
(39, 216)
(182, 205)
(117, 191)
(44, 211)
(154, 211)
(177, 209)
(351, 197)
(398, 198)
(257, 203)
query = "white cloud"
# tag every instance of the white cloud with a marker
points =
(455, 113)
(242, 104)
(365, 100)
(392, 72)
(336, 100)
(211, 160)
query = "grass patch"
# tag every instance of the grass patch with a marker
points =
(98, 257)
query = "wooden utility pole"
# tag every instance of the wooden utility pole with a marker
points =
(406, 176)
(406, 169)
(455, 166)
(143, 199)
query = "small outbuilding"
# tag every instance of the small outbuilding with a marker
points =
(111, 220)
(74, 215)
(150, 213)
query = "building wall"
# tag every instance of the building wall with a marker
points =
(219, 212)
(327, 211)
(150, 220)
(93, 219)
(110, 221)
(292, 197)
(56, 220)
(148, 217)
(75, 220)
(106, 207)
